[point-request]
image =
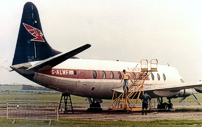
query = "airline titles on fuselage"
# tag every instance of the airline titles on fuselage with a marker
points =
(133, 69)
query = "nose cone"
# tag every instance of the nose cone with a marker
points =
(21, 69)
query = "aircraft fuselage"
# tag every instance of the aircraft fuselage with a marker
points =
(98, 78)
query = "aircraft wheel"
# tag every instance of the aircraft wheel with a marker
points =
(159, 106)
(95, 105)
(170, 106)
(166, 107)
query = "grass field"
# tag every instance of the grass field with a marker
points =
(76, 99)
(44, 97)
(91, 123)
(84, 123)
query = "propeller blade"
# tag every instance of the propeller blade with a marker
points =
(182, 99)
(195, 99)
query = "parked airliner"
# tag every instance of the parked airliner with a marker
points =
(37, 61)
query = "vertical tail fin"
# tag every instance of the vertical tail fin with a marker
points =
(31, 43)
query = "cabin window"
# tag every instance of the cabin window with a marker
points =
(145, 74)
(74, 72)
(152, 76)
(119, 74)
(164, 77)
(134, 76)
(103, 75)
(158, 76)
(140, 76)
(94, 74)
(111, 75)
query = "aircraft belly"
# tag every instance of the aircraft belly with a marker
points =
(95, 89)
(80, 87)
(55, 83)
(164, 93)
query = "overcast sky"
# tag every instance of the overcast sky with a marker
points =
(126, 30)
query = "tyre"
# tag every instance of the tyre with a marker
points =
(97, 105)
(166, 107)
(159, 106)
(171, 106)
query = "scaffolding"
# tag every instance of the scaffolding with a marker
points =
(126, 100)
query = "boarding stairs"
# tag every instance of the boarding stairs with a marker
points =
(126, 100)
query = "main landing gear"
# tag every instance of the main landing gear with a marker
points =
(94, 105)
(164, 106)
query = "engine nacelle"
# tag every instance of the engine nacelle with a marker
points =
(198, 89)
(174, 94)
(185, 92)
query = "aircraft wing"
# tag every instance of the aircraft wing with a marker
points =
(47, 64)
(166, 87)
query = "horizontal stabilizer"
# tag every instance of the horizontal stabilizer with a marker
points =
(47, 64)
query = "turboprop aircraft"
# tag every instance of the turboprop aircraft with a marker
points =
(37, 61)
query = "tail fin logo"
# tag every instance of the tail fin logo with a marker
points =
(35, 32)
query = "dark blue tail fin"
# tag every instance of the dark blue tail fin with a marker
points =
(31, 43)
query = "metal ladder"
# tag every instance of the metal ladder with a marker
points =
(125, 100)
(67, 98)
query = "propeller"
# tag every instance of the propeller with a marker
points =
(182, 99)
(195, 99)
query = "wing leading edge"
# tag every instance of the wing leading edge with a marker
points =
(165, 87)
